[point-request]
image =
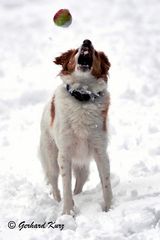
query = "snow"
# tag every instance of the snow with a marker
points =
(128, 31)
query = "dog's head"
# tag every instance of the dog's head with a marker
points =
(84, 61)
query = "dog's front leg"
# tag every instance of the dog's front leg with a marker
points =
(65, 171)
(102, 161)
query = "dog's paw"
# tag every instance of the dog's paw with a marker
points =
(70, 212)
(106, 207)
(69, 209)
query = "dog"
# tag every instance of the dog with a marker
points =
(74, 124)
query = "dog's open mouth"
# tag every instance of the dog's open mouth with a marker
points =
(85, 58)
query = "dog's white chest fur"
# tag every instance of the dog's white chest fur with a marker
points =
(79, 123)
(81, 119)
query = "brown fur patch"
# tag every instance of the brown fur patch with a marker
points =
(100, 66)
(96, 66)
(52, 110)
(105, 65)
(67, 60)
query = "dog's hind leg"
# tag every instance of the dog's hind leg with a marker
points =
(81, 175)
(49, 154)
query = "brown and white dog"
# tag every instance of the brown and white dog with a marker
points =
(74, 124)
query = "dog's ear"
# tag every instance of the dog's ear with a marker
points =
(105, 65)
(64, 58)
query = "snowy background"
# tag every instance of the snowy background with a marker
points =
(128, 31)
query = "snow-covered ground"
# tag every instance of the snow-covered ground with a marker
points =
(129, 33)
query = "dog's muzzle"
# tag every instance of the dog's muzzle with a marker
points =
(85, 58)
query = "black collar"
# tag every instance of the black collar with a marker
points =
(83, 95)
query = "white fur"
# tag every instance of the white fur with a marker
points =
(76, 136)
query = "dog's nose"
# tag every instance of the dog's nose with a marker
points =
(87, 43)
